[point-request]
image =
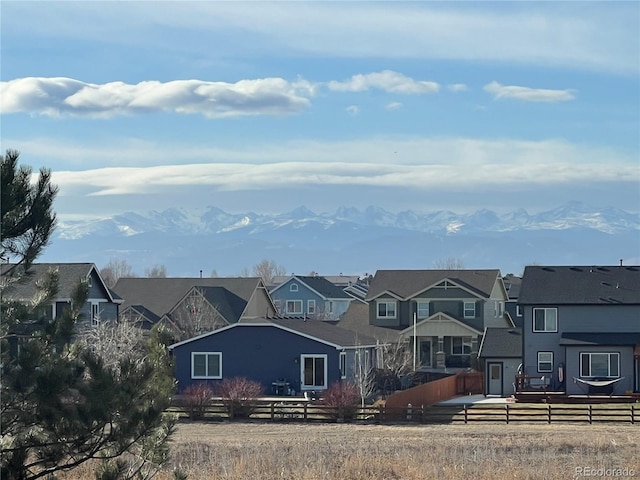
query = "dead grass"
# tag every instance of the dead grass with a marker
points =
(257, 450)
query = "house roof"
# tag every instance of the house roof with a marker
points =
(160, 295)
(501, 343)
(512, 285)
(227, 303)
(603, 338)
(140, 313)
(69, 274)
(325, 332)
(320, 285)
(604, 285)
(405, 284)
(356, 319)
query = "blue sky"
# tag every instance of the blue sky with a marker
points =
(266, 106)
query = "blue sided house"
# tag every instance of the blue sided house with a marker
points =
(286, 356)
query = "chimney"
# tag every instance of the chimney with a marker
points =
(621, 262)
(200, 273)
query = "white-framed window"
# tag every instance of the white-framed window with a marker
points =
(545, 362)
(422, 308)
(294, 307)
(206, 365)
(311, 307)
(330, 306)
(460, 345)
(469, 309)
(386, 309)
(95, 314)
(600, 364)
(293, 287)
(498, 308)
(343, 364)
(89, 281)
(545, 319)
(313, 371)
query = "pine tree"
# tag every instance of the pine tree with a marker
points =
(61, 404)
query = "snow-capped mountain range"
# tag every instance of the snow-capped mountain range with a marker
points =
(349, 240)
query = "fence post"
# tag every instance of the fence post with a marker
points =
(273, 411)
(548, 413)
(409, 412)
(590, 414)
(633, 420)
(465, 414)
(305, 412)
(423, 414)
(381, 415)
(506, 409)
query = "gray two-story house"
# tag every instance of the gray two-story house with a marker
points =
(581, 329)
(102, 304)
(442, 314)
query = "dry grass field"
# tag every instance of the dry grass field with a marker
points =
(258, 450)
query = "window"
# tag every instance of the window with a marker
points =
(545, 319)
(294, 306)
(460, 345)
(95, 314)
(314, 371)
(206, 365)
(293, 287)
(311, 307)
(343, 364)
(422, 309)
(498, 308)
(599, 364)
(545, 362)
(469, 309)
(387, 309)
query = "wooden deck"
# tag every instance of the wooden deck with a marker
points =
(541, 396)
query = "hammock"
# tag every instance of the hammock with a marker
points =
(597, 383)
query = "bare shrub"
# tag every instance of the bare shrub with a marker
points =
(196, 398)
(344, 400)
(239, 395)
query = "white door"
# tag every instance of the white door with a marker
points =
(494, 384)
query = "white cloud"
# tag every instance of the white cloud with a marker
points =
(353, 110)
(60, 96)
(528, 94)
(420, 163)
(386, 80)
(394, 106)
(457, 87)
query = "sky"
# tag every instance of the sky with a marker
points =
(266, 106)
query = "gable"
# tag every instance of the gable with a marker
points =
(440, 325)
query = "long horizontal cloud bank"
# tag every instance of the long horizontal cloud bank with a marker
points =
(60, 96)
(446, 167)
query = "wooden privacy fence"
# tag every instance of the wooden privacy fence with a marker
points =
(430, 393)
(465, 414)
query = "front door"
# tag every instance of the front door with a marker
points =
(425, 353)
(494, 383)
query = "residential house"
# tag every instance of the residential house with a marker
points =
(312, 297)
(501, 355)
(512, 285)
(441, 313)
(192, 306)
(581, 331)
(102, 304)
(286, 356)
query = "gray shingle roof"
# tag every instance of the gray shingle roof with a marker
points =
(501, 343)
(356, 319)
(227, 303)
(69, 275)
(407, 283)
(321, 285)
(160, 295)
(603, 285)
(602, 338)
(327, 331)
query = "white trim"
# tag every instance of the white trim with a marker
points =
(304, 356)
(343, 364)
(294, 287)
(293, 312)
(422, 301)
(609, 354)
(545, 361)
(464, 309)
(533, 319)
(310, 303)
(450, 284)
(441, 316)
(207, 377)
(387, 302)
